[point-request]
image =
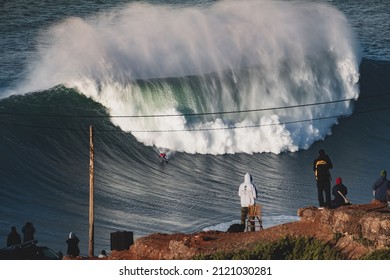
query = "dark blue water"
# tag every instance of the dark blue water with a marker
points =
(59, 75)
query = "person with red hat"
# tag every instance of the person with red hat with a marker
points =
(340, 194)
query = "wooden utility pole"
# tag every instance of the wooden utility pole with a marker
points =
(91, 194)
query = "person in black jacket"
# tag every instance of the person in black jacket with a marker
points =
(73, 245)
(28, 232)
(321, 166)
(13, 238)
(340, 194)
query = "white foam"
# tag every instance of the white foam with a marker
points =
(291, 53)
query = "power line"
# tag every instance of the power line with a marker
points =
(180, 115)
(261, 125)
(42, 126)
(198, 114)
(205, 129)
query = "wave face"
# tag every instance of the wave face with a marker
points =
(44, 174)
(231, 56)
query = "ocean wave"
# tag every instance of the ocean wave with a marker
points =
(230, 56)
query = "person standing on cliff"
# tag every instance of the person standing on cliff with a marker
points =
(13, 238)
(321, 167)
(380, 187)
(73, 245)
(28, 232)
(247, 193)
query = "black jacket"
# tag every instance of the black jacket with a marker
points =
(13, 239)
(321, 167)
(338, 199)
(73, 247)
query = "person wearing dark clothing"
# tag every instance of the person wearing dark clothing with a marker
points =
(163, 157)
(102, 254)
(340, 194)
(28, 232)
(381, 186)
(13, 238)
(321, 166)
(73, 245)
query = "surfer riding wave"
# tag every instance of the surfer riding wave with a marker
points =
(163, 156)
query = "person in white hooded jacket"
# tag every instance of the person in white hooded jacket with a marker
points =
(247, 193)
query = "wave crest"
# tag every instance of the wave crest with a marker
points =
(231, 56)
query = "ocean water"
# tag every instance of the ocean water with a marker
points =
(223, 87)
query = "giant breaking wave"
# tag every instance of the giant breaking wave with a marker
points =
(162, 72)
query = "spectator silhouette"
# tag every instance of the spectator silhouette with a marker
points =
(380, 187)
(73, 245)
(102, 254)
(13, 237)
(28, 232)
(340, 194)
(321, 166)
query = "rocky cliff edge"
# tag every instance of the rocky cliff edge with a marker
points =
(355, 230)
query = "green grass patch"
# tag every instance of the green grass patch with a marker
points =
(287, 248)
(383, 254)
